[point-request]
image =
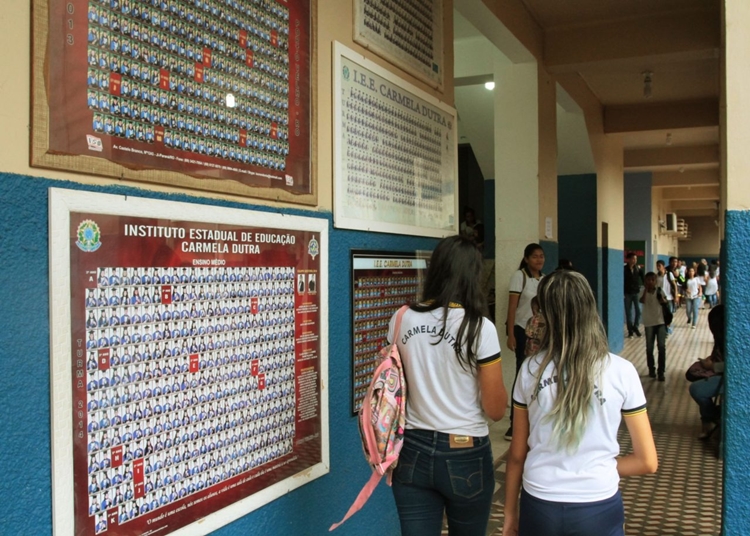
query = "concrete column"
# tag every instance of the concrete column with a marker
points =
(516, 175)
(735, 124)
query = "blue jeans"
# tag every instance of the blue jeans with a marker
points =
(693, 308)
(432, 478)
(658, 334)
(712, 299)
(703, 392)
(601, 518)
(634, 320)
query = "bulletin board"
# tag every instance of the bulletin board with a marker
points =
(395, 152)
(189, 362)
(407, 33)
(382, 282)
(206, 94)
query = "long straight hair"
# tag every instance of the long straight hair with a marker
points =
(453, 277)
(576, 343)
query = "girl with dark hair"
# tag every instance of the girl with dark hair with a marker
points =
(523, 285)
(570, 399)
(451, 357)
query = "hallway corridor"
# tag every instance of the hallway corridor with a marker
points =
(685, 496)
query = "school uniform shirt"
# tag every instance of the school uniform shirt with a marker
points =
(712, 287)
(692, 287)
(652, 314)
(525, 294)
(663, 282)
(443, 396)
(590, 473)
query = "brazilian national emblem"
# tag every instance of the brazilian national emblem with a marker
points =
(313, 248)
(88, 235)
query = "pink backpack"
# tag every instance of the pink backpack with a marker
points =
(382, 419)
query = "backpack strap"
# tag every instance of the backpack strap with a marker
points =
(379, 468)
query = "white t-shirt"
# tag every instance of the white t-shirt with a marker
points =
(712, 286)
(525, 294)
(441, 395)
(693, 287)
(664, 282)
(589, 474)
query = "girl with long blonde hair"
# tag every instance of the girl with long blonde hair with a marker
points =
(569, 400)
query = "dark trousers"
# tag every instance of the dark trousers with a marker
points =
(658, 334)
(520, 334)
(601, 518)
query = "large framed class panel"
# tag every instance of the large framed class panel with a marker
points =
(395, 152)
(189, 362)
(206, 94)
(407, 33)
(382, 282)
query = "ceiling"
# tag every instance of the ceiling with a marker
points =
(672, 132)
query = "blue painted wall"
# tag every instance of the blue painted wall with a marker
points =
(614, 319)
(638, 213)
(25, 489)
(577, 224)
(551, 255)
(737, 400)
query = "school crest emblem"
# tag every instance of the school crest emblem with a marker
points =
(313, 248)
(88, 235)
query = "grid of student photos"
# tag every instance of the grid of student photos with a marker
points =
(209, 77)
(190, 379)
(377, 295)
(407, 24)
(392, 156)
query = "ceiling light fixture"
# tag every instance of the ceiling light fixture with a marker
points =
(647, 78)
(489, 85)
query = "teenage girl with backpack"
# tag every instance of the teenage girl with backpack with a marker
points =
(451, 357)
(570, 399)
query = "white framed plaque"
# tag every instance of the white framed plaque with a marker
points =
(395, 152)
(189, 362)
(407, 33)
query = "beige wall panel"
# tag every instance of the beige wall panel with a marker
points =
(704, 238)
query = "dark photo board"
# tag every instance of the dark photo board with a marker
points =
(189, 366)
(207, 94)
(381, 283)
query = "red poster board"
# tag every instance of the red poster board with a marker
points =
(217, 92)
(197, 377)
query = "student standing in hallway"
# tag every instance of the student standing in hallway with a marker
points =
(653, 320)
(666, 282)
(633, 282)
(523, 285)
(693, 296)
(570, 399)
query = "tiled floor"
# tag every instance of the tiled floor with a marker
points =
(685, 496)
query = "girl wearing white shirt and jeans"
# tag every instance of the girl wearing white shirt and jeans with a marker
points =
(454, 377)
(522, 289)
(570, 399)
(693, 293)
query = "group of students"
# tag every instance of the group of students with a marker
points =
(568, 401)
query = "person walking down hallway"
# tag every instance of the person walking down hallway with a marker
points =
(693, 296)
(523, 285)
(633, 281)
(666, 282)
(656, 329)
